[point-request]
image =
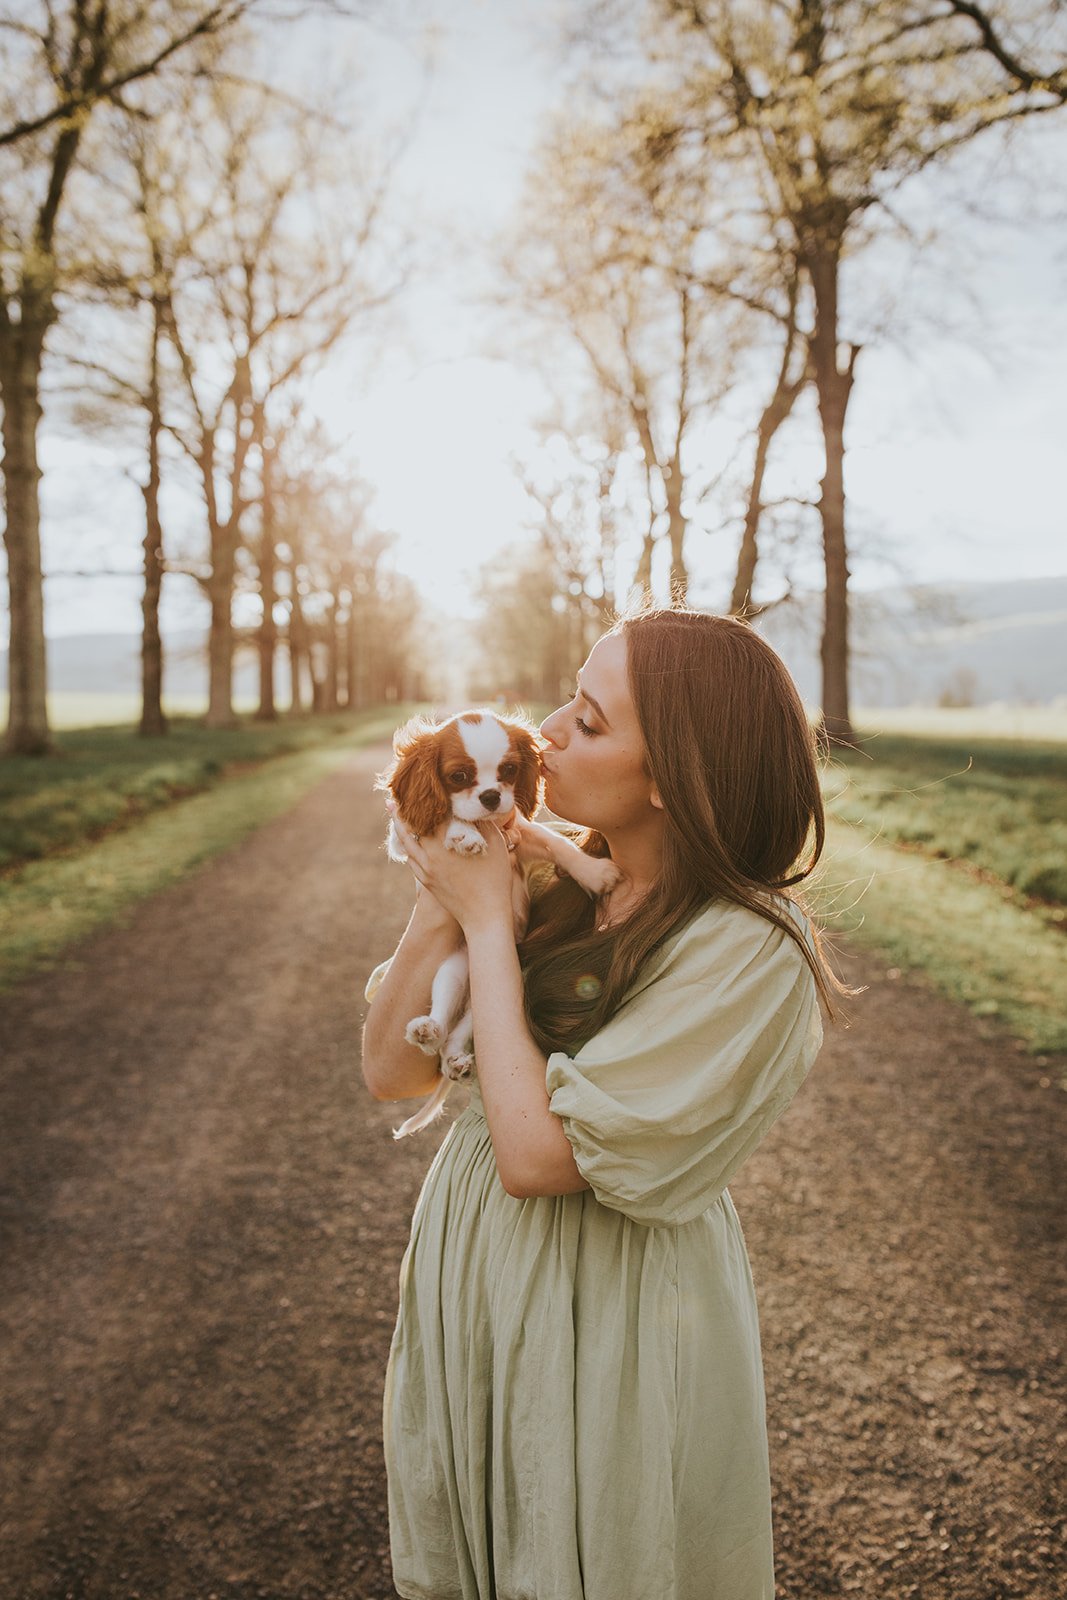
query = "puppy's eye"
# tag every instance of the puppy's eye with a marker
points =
(461, 780)
(508, 771)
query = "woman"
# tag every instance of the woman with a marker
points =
(574, 1402)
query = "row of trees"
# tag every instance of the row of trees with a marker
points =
(688, 236)
(182, 244)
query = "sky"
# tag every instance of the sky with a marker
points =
(956, 444)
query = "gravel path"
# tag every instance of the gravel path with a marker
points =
(202, 1216)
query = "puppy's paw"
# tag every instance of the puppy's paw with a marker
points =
(597, 875)
(465, 842)
(457, 1066)
(426, 1034)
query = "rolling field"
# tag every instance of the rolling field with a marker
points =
(1043, 724)
(69, 708)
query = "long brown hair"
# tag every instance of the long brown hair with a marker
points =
(734, 758)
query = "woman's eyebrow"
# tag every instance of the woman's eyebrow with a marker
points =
(587, 696)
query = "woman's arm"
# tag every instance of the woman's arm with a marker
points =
(392, 1068)
(533, 1153)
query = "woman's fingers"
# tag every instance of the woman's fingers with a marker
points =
(409, 841)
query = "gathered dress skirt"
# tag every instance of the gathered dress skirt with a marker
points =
(574, 1404)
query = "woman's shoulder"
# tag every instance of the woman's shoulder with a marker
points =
(723, 936)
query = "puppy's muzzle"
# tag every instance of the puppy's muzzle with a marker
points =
(490, 799)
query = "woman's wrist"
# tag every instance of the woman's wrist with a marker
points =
(488, 923)
(429, 914)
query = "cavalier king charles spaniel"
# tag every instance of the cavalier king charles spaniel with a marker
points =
(476, 767)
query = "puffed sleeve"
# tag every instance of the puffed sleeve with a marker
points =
(374, 982)
(663, 1105)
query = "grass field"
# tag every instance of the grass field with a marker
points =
(950, 856)
(106, 778)
(1002, 722)
(997, 807)
(70, 708)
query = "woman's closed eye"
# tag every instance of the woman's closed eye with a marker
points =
(584, 728)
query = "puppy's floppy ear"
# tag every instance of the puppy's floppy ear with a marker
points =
(529, 783)
(414, 780)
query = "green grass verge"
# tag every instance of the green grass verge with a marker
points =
(969, 938)
(47, 904)
(105, 778)
(994, 807)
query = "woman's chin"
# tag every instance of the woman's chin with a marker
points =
(552, 801)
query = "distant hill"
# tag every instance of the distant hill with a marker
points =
(974, 643)
(965, 644)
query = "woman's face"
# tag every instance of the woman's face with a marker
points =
(594, 766)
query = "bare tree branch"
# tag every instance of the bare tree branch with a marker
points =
(1028, 78)
(98, 86)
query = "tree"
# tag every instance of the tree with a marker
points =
(620, 278)
(572, 487)
(527, 635)
(117, 345)
(329, 554)
(288, 261)
(837, 104)
(96, 53)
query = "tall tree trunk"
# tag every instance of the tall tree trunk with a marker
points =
(21, 353)
(676, 530)
(358, 627)
(153, 722)
(21, 356)
(220, 639)
(329, 695)
(351, 653)
(268, 566)
(298, 637)
(776, 411)
(606, 547)
(834, 387)
(643, 575)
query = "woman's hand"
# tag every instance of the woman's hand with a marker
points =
(475, 890)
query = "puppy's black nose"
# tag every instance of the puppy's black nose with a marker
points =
(490, 798)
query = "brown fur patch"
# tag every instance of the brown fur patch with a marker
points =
(529, 782)
(415, 780)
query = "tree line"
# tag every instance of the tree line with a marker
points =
(183, 243)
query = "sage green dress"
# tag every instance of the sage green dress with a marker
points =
(574, 1400)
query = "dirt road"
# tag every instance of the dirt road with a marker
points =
(202, 1216)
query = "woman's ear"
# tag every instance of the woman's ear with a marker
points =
(654, 797)
(528, 784)
(415, 784)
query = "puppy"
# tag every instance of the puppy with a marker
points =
(476, 767)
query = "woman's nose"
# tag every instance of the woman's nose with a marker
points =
(549, 726)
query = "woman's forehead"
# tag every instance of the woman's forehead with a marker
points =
(604, 675)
